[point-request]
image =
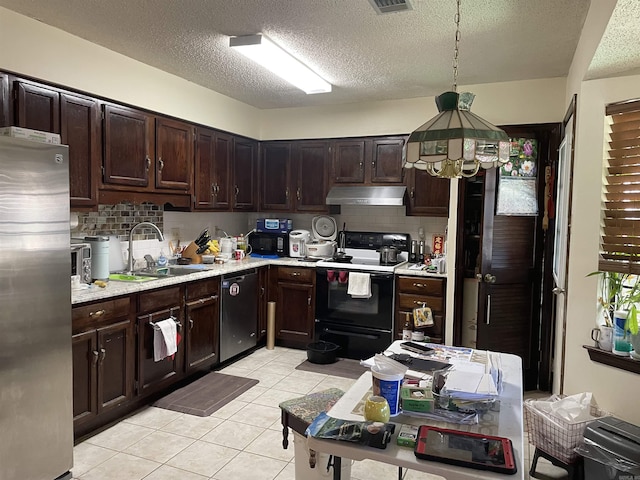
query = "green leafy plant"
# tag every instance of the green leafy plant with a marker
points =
(620, 291)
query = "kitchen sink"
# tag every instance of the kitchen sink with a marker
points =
(124, 277)
(146, 275)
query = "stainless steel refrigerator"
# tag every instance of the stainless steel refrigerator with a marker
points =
(36, 392)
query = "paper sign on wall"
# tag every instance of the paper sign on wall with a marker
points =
(438, 244)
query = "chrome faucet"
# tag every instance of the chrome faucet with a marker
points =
(135, 227)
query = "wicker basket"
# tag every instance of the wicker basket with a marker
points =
(556, 436)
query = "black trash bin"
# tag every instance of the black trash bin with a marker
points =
(611, 450)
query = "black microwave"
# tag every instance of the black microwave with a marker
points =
(272, 243)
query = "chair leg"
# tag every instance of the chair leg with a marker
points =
(534, 463)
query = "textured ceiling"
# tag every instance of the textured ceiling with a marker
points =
(366, 56)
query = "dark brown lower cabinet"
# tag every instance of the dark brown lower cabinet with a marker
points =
(295, 305)
(155, 306)
(103, 359)
(413, 292)
(202, 330)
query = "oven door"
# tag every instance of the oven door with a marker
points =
(355, 342)
(334, 305)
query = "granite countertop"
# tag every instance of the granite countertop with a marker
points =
(116, 289)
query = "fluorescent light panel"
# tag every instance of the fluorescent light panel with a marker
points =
(263, 51)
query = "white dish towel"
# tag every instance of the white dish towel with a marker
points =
(359, 285)
(164, 339)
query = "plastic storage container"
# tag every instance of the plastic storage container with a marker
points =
(610, 450)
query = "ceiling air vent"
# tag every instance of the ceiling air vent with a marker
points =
(390, 6)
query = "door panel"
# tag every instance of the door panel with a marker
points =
(37, 107)
(245, 174)
(115, 379)
(85, 359)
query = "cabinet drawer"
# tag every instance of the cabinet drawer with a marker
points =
(302, 275)
(409, 302)
(99, 313)
(421, 285)
(203, 288)
(158, 299)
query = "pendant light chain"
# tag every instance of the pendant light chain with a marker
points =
(456, 49)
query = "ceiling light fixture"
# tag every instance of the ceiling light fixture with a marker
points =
(456, 143)
(263, 51)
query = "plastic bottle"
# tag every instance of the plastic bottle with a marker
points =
(162, 260)
(407, 329)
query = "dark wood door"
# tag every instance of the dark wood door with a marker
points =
(37, 107)
(115, 365)
(245, 175)
(202, 332)
(348, 161)
(294, 312)
(80, 126)
(311, 166)
(386, 162)
(174, 155)
(85, 390)
(276, 177)
(428, 195)
(5, 119)
(128, 146)
(204, 178)
(510, 271)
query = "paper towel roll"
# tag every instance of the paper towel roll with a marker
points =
(271, 325)
(73, 220)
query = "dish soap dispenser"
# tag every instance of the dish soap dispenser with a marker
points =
(162, 260)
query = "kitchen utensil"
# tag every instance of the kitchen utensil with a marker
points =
(389, 255)
(99, 257)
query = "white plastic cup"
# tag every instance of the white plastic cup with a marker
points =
(388, 386)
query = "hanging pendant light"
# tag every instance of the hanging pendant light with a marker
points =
(456, 143)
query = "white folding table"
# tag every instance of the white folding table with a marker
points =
(505, 421)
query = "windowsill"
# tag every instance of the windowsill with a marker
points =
(608, 358)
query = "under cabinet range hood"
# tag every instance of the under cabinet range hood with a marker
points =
(356, 195)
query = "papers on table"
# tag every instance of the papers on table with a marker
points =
(474, 381)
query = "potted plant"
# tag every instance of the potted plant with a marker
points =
(620, 294)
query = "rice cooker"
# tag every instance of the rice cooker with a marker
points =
(324, 235)
(298, 240)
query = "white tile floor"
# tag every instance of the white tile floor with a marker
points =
(240, 441)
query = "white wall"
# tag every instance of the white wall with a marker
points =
(615, 390)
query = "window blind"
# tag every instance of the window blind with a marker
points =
(620, 242)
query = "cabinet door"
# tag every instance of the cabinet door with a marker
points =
(223, 146)
(85, 361)
(5, 119)
(428, 195)
(276, 177)
(294, 312)
(37, 107)
(245, 175)
(386, 162)
(174, 155)
(205, 181)
(202, 332)
(153, 375)
(80, 129)
(128, 148)
(115, 365)
(311, 165)
(348, 161)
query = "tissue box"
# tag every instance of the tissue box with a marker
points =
(28, 134)
(407, 436)
(415, 399)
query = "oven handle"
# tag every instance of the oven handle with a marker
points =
(324, 271)
(350, 334)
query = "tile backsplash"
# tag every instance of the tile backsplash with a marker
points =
(119, 219)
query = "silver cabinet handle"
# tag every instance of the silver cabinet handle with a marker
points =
(488, 319)
(490, 278)
(103, 353)
(558, 291)
(161, 163)
(148, 162)
(94, 360)
(190, 324)
(96, 314)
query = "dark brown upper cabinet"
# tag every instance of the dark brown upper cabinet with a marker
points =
(311, 167)
(275, 177)
(80, 129)
(128, 147)
(367, 161)
(76, 118)
(37, 106)
(225, 172)
(428, 195)
(294, 176)
(5, 119)
(145, 152)
(245, 174)
(174, 155)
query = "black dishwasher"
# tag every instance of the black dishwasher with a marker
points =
(238, 313)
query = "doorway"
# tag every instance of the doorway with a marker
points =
(501, 275)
